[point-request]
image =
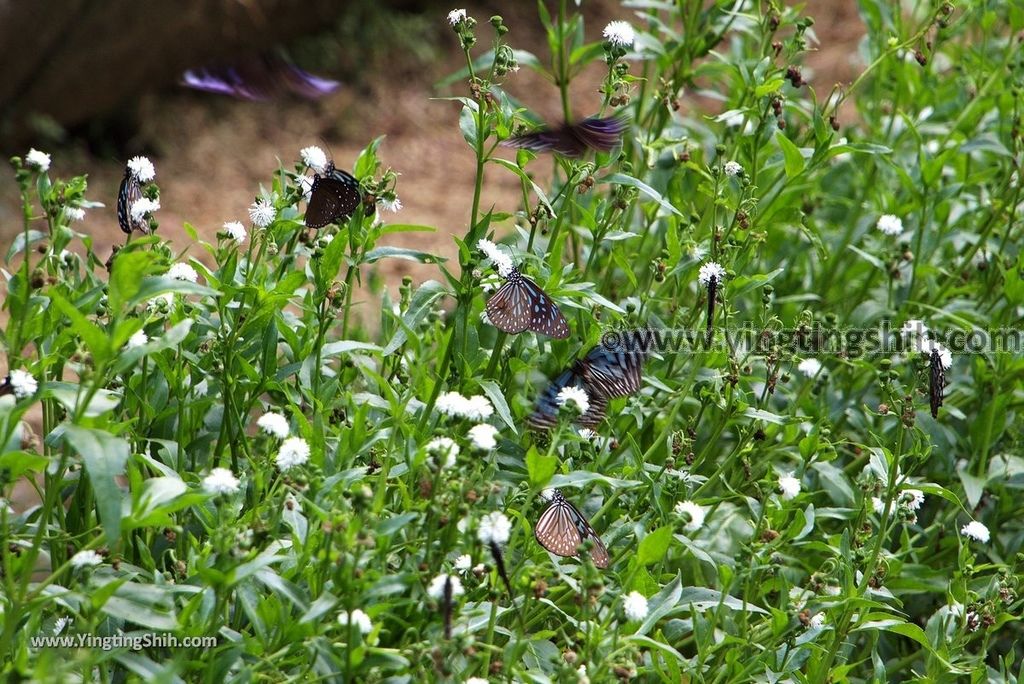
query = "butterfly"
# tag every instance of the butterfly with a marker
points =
(258, 78)
(572, 140)
(937, 384)
(562, 528)
(335, 194)
(520, 305)
(604, 374)
(128, 194)
(712, 294)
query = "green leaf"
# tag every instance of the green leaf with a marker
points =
(791, 154)
(401, 253)
(95, 339)
(493, 393)
(422, 301)
(157, 285)
(654, 546)
(540, 467)
(126, 276)
(623, 179)
(105, 457)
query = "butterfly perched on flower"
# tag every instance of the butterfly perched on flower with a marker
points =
(573, 140)
(128, 194)
(562, 528)
(520, 304)
(335, 195)
(939, 361)
(604, 373)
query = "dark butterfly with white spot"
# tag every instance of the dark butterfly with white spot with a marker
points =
(604, 374)
(335, 195)
(573, 140)
(937, 384)
(562, 528)
(128, 194)
(520, 305)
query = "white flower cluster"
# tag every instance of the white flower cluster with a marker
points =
(220, 481)
(789, 486)
(234, 230)
(693, 512)
(477, 407)
(314, 158)
(635, 606)
(294, 452)
(732, 169)
(494, 527)
(619, 33)
(809, 367)
(22, 383)
(575, 397)
(37, 159)
(446, 449)
(184, 272)
(435, 589)
(890, 225)
(141, 169)
(141, 208)
(262, 213)
(457, 16)
(711, 269)
(502, 262)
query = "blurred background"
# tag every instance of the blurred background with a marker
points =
(94, 84)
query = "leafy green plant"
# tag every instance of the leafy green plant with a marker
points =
(244, 447)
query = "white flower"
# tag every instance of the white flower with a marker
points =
(220, 481)
(273, 424)
(694, 511)
(913, 328)
(789, 486)
(234, 230)
(817, 620)
(732, 168)
(463, 562)
(435, 589)
(932, 347)
(977, 531)
(619, 33)
(635, 606)
(86, 558)
(451, 404)
(877, 505)
(143, 207)
(581, 675)
(201, 388)
(358, 618)
(483, 436)
(478, 408)
(38, 159)
(446, 447)
(314, 158)
(494, 527)
(576, 396)
(457, 16)
(294, 451)
(74, 213)
(587, 433)
(392, 205)
(262, 213)
(22, 383)
(809, 367)
(502, 262)
(60, 624)
(181, 271)
(889, 224)
(142, 169)
(913, 498)
(547, 493)
(136, 340)
(711, 269)
(476, 680)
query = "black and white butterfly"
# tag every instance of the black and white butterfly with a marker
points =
(521, 305)
(128, 194)
(335, 195)
(573, 140)
(604, 374)
(937, 384)
(562, 528)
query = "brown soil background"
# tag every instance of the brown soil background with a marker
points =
(212, 152)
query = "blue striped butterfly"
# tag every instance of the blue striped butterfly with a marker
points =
(545, 415)
(128, 194)
(562, 528)
(572, 140)
(520, 304)
(335, 195)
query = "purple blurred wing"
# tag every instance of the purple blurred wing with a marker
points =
(600, 133)
(558, 140)
(258, 78)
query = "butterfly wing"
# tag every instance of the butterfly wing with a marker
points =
(509, 308)
(545, 316)
(334, 195)
(545, 414)
(128, 194)
(559, 140)
(599, 133)
(611, 373)
(937, 385)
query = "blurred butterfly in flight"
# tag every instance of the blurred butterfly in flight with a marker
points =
(521, 305)
(573, 140)
(604, 374)
(562, 528)
(258, 78)
(335, 195)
